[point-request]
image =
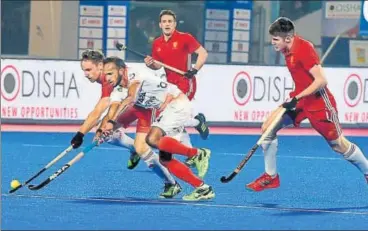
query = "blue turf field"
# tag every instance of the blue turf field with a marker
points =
(319, 190)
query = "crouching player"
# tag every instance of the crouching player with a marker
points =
(148, 92)
(92, 65)
(130, 114)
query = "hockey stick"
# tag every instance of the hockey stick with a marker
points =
(61, 155)
(64, 168)
(277, 118)
(330, 47)
(121, 47)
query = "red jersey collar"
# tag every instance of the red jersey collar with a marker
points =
(294, 46)
(162, 38)
(101, 78)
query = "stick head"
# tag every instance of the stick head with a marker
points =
(15, 189)
(224, 179)
(120, 46)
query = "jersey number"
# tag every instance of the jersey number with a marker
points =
(162, 85)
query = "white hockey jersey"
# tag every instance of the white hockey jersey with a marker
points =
(152, 90)
(118, 94)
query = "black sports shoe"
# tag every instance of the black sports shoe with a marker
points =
(133, 160)
(202, 127)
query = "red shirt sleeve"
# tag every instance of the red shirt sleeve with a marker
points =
(106, 88)
(308, 56)
(192, 43)
(154, 51)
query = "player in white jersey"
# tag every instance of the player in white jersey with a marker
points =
(148, 92)
(143, 117)
(92, 65)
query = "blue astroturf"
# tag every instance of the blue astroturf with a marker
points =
(319, 189)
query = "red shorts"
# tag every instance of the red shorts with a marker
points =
(187, 86)
(144, 117)
(325, 121)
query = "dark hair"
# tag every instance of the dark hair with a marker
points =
(167, 12)
(92, 55)
(119, 63)
(282, 27)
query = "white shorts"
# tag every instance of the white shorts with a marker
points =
(174, 117)
(183, 138)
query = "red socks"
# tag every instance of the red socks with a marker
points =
(171, 145)
(180, 170)
(183, 172)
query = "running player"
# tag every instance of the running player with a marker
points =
(148, 92)
(310, 100)
(144, 116)
(175, 49)
(92, 65)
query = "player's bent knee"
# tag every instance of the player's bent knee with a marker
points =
(153, 137)
(151, 140)
(165, 157)
(141, 148)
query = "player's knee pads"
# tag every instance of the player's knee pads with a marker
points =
(165, 156)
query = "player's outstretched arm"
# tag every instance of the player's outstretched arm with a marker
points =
(112, 110)
(150, 62)
(95, 115)
(128, 101)
(90, 122)
(123, 106)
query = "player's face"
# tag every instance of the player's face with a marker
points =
(112, 74)
(167, 24)
(91, 70)
(278, 43)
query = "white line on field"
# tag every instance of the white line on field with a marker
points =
(220, 153)
(162, 202)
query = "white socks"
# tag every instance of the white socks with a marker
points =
(153, 162)
(119, 138)
(191, 122)
(355, 156)
(270, 149)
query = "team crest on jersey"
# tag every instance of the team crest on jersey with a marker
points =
(175, 44)
(158, 49)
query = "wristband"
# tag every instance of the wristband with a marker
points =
(80, 134)
(112, 122)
